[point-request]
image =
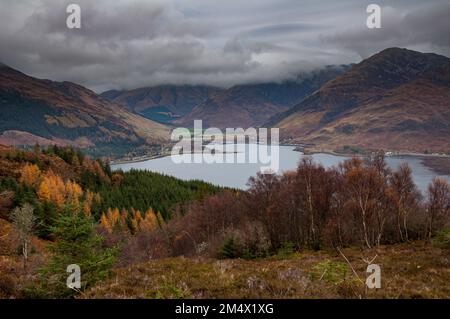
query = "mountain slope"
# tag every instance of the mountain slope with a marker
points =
(162, 103)
(67, 113)
(397, 99)
(253, 104)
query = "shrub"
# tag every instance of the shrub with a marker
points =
(229, 249)
(7, 286)
(143, 247)
(171, 291)
(286, 251)
(442, 239)
(330, 272)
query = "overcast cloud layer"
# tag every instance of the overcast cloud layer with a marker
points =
(129, 44)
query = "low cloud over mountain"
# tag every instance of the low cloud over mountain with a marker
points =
(129, 44)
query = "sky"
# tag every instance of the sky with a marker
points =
(128, 44)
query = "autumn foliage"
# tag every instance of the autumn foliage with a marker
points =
(361, 202)
(30, 174)
(133, 221)
(53, 189)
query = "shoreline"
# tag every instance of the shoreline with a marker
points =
(139, 159)
(438, 163)
(145, 158)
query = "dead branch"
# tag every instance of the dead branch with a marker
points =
(348, 262)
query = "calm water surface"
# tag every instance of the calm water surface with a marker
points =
(236, 175)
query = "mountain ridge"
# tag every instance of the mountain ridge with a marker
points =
(68, 113)
(162, 103)
(395, 99)
(253, 104)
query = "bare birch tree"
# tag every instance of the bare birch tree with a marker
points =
(438, 206)
(23, 221)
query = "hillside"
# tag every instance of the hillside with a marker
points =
(423, 268)
(59, 179)
(146, 235)
(162, 103)
(48, 112)
(397, 99)
(139, 190)
(253, 104)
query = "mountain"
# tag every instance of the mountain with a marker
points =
(162, 103)
(253, 104)
(397, 99)
(34, 110)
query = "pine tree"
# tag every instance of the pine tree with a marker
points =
(76, 242)
(229, 249)
(46, 214)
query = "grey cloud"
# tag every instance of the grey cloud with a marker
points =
(277, 29)
(424, 28)
(128, 44)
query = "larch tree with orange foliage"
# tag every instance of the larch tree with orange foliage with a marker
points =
(87, 204)
(53, 189)
(114, 220)
(73, 192)
(150, 221)
(161, 220)
(30, 174)
(105, 224)
(136, 220)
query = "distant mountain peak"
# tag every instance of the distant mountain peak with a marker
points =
(396, 99)
(162, 103)
(253, 104)
(406, 57)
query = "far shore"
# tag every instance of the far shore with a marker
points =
(439, 163)
(307, 151)
(138, 159)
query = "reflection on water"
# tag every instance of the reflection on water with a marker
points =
(237, 174)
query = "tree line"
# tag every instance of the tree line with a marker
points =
(360, 202)
(91, 186)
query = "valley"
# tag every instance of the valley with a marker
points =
(358, 108)
(227, 154)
